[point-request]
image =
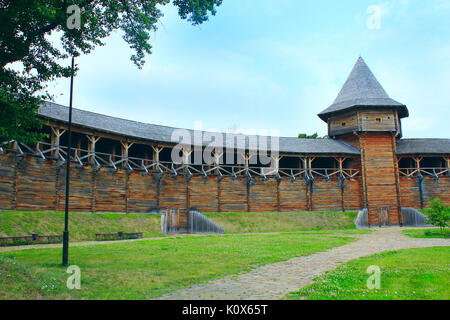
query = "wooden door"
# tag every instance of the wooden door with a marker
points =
(383, 217)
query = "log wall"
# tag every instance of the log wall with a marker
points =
(263, 196)
(326, 195)
(7, 181)
(293, 196)
(203, 194)
(81, 189)
(142, 192)
(352, 194)
(36, 184)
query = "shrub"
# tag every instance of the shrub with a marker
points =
(439, 214)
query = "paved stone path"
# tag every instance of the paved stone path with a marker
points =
(274, 281)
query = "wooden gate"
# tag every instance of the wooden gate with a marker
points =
(383, 217)
(176, 220)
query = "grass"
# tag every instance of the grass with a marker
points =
(82, 226)
(149, 268)
(427, 233)
(244, 222)
(413, 274)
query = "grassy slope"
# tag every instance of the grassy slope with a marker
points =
(283, 222)
(413, 274)
(426, 233)
(146, 269)
(82, 226)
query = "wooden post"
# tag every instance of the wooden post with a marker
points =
(217, 157)
(420, 181)
(447, 163)
(276, 162)
(309, 187)
(92, 140)
(247, 167)
(94, 189)
(127, 190)
(397, 178)
(55, 140)
(125, 148)
(156, 151)
(341, 173)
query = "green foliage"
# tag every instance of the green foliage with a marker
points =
(311, 136)
(438, 214)
(24, 41)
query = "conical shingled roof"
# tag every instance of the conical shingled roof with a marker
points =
(362, 89)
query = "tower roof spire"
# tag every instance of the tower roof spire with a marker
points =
(362, 89)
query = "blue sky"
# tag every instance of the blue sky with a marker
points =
(274, 65)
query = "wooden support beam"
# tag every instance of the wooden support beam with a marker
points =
(397, 177)
(92, 140)
(447, 164)
(56, 140)
(156, 151)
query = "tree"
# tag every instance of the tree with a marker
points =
(24, 41)
(439, 214)
(312, 136)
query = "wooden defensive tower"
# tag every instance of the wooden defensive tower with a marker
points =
(364, 116)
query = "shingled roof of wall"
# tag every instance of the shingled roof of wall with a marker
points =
(163, 134)
(362, 90)
(423, 146)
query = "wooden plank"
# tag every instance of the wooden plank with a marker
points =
(7, 181)
(80, 199)
(142, 193)
(110, 191)
(203, 193)
(409, 192)
(353, 194)
(233, 194)
(326, 195)
(293, 195)
(36, 183)
(263, 196)
(173, 192)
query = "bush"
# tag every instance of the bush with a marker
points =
(439, 214)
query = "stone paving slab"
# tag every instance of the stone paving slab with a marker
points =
(274, 281)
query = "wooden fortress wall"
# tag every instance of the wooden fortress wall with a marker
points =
(35, 184)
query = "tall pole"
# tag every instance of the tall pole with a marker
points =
(65, 258)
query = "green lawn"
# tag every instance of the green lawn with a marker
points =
(145, 269)
(414, 274)
(82, 226)
(427, 233)
(245, 222)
